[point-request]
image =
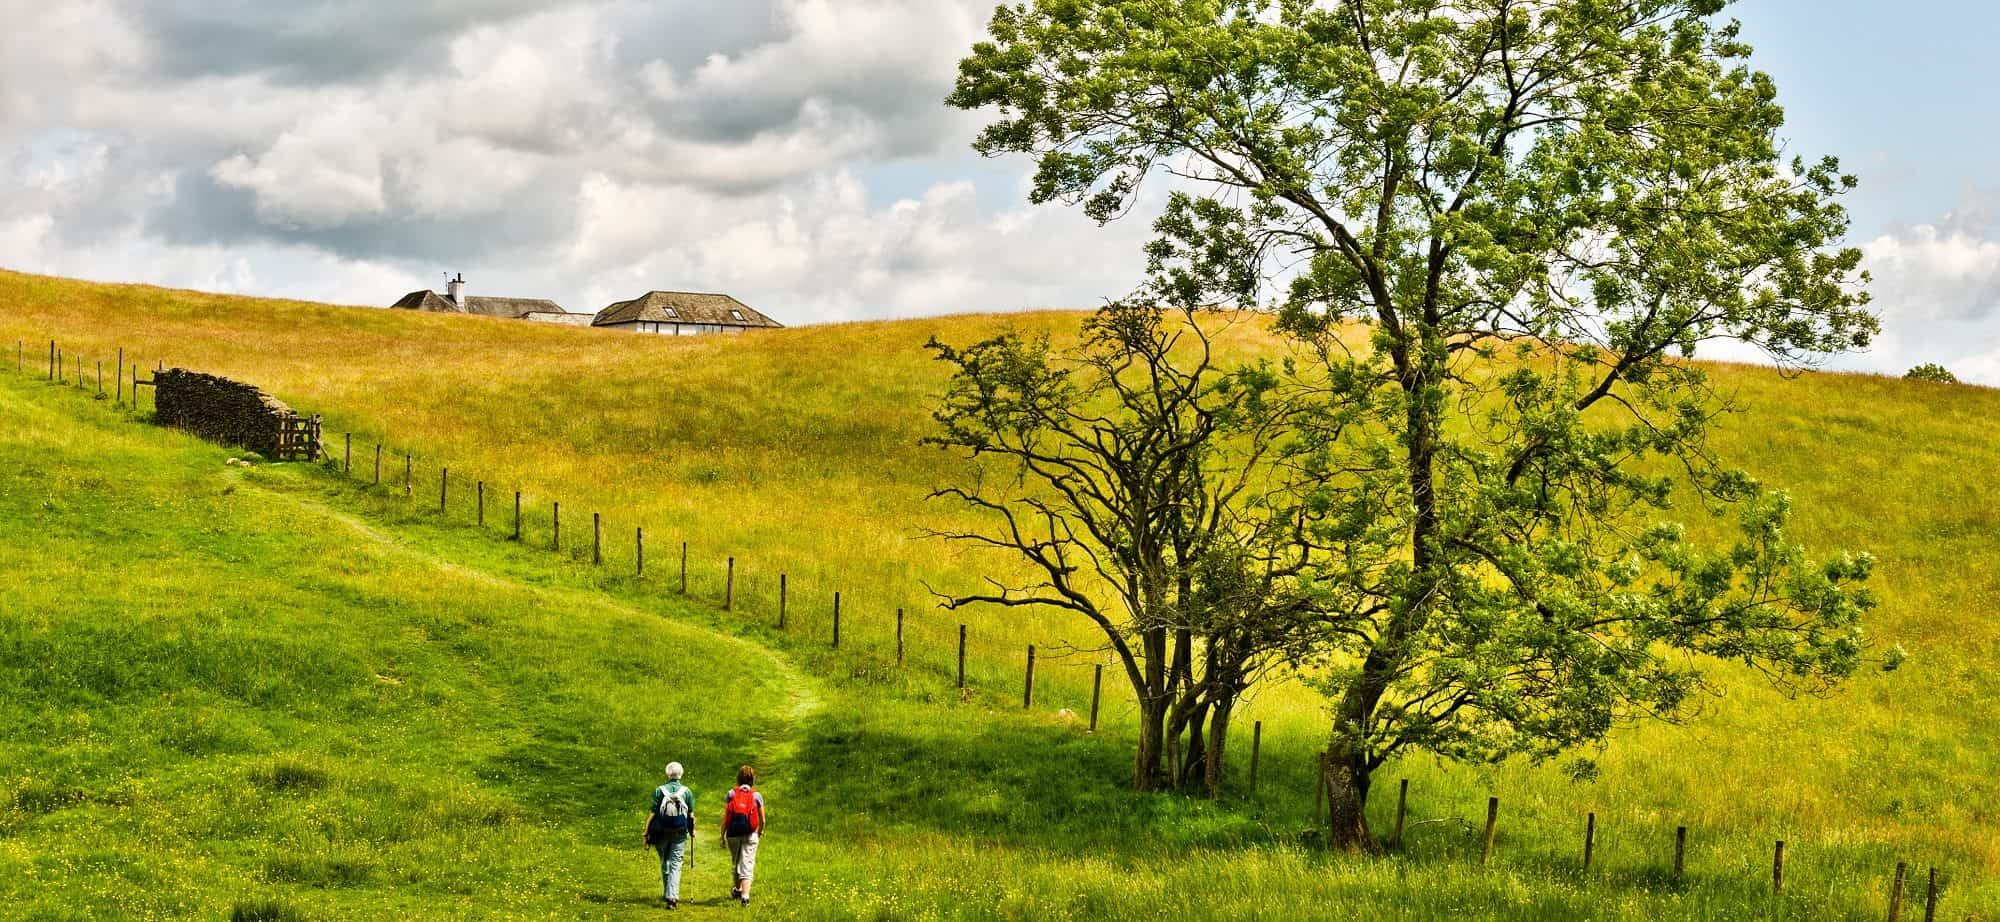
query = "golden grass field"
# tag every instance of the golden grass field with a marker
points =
(797, 451)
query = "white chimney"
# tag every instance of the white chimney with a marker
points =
(457, 289)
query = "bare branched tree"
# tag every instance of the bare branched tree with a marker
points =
(1156, 494)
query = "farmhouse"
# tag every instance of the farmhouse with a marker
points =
(683, 313)
(455, 301)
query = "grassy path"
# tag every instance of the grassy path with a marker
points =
(803, 690)
(776, 742)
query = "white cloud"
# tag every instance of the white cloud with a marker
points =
(323, 172)
(49, 50)
(824, 250)
(1937, 288)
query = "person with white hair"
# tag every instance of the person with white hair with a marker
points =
(670, 831)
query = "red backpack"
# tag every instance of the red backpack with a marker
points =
(742, 819)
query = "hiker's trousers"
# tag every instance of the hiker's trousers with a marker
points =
(743, 849)
(673, 853)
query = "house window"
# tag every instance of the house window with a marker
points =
(673, 314)
(738, 315)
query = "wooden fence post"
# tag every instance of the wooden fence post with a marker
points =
(517, 515)
(1402, 809)
(52, 363)
(961, 656)
(684, 568)
(347, 459)
(1589, 838)
(781, 601)
(1028, 685)
(406, 473)
(1896, 891)
(444, 487)
(1492, 824)
(479, 491)
(1096, 690)
(899, 637)
(100, 377)
(597, 538)
(729, 586)
(1319, 784)
(639, 551)
(378, 445)
(120, 376)
(1256, 743)
(555, 526)
(1680, 852)
(1778, 868)
(1931, 898)
(836, 620)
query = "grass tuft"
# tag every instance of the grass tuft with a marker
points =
(266, 911)
(290, 774)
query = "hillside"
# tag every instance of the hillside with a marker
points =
(796, 452)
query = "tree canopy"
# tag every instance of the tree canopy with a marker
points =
(1498, 228)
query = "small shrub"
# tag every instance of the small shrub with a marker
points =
(265, 911)
(290, 774)
(1931, 371)
(41, 797)
(316, 871)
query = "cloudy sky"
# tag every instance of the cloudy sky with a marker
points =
(794, 152)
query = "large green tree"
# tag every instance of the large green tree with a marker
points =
(1500, 226)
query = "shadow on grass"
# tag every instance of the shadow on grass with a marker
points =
(878, 768)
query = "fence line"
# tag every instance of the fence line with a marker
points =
(62, 362)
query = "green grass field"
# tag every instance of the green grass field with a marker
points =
(229, 687)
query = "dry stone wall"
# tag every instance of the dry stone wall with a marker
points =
(221, 410)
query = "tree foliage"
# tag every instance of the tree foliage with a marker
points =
(1499, 227)
(1932, 371)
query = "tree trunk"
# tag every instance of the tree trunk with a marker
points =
(1152, 743)
(1194, 762)
(1347, 771)
(1153, 701)
(1346, 782)
(1215, 760)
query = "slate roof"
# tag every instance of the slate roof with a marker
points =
(512, 308)
(685, 307)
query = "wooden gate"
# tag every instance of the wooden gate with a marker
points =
(298, 438)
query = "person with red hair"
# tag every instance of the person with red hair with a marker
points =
(742, 827)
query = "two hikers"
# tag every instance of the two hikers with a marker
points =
(670, 830)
